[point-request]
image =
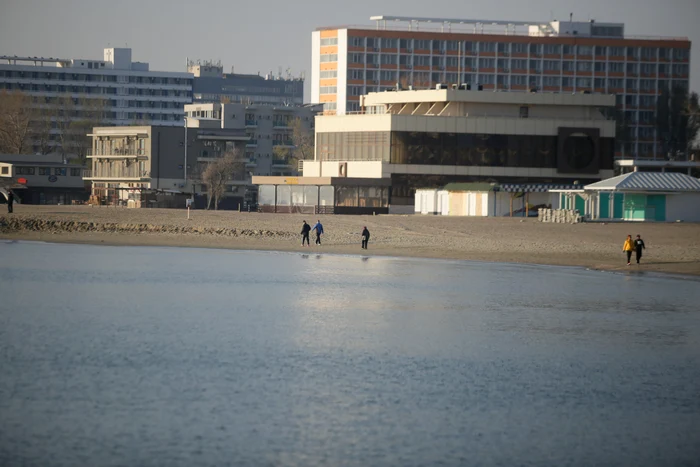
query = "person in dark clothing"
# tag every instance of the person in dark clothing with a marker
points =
(365, 237)
(638, 247)
(319, 230)
(305, 229)
(10, 200)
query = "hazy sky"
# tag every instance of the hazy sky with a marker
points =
(262, 36)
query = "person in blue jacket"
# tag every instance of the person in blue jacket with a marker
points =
(319, 230)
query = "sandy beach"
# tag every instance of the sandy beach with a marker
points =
(671, 248)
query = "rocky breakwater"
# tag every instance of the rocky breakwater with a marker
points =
(35, 224)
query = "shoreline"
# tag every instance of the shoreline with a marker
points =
(501, 240)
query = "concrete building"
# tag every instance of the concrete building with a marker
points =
(555, 56)
(212, 85)
(125, 161)
(429, 138)
(125, 91)
(638, 196)
(267, 127)
(42, 179)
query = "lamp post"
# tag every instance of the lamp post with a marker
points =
(185, 166)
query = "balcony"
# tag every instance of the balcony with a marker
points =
(251, 123)
(279, 124)
(116, 153)
(280, 163)
(251, 143)
(131, 174)
(283, 143)
(251, 163)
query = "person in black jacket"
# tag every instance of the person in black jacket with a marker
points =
(10, 200)
(365, 237)
(305, 229)
(638, 247)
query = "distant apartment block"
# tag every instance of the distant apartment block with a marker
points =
(126, 91)
(553, 57)
(267, 127)
(212, 85)
(127, 160)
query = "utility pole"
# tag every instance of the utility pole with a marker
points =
(185, 166)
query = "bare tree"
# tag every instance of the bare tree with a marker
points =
(15, 122)
(219, 172)
(303, 142)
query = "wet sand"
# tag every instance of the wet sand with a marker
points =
(671, 247)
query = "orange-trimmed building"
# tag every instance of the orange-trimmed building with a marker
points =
(556, 56)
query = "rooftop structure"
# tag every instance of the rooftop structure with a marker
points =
(212, 85)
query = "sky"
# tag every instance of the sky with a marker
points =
(264, 36)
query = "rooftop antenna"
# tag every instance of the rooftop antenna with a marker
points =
(571, 17)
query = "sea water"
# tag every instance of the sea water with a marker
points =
(187, 357)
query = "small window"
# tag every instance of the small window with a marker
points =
(5, 170)
(524, 112)
(44, 171)
(75, 172)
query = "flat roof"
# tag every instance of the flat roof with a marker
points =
(487, 97)
(342, 181)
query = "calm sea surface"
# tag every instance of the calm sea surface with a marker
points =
(130, 356)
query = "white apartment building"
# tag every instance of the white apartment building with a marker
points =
(126, 91)
(555, 56)
(267, 127)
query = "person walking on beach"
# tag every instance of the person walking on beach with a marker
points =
(319, 230)
(305, 229)
(10, 200)
(638, 247)
(628, 248)
(365, 237)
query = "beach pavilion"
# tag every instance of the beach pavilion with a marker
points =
(638, 196)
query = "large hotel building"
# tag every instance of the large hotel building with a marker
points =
(555, 56)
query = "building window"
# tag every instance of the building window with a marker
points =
(5, 170)
(329, 58)
(44, 171)
(59, 171)
(24, 170)
(329, 41)
(518, 48)
(524, 112)
(75, 172)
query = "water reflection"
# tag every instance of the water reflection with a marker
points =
(127, 356)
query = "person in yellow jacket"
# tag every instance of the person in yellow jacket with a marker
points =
(628, 248)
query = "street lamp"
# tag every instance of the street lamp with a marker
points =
(185, 166)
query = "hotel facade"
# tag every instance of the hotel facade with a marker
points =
(550, 57)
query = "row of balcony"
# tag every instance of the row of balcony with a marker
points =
(124, 151)
(117, 173)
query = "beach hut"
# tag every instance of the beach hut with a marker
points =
(426, 201)
(642, 196)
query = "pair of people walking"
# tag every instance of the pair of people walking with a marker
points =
(306, 230)
(633, 246)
